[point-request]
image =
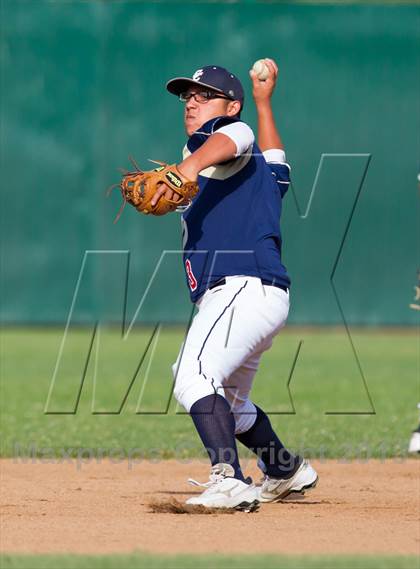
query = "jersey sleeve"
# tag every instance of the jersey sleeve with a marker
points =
(281, 173)
(241, 134)
(276, 161)
(234, 128)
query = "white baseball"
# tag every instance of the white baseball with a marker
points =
(261, 69)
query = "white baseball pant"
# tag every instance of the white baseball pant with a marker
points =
(234, 325)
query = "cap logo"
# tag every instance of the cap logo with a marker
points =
(197, 75)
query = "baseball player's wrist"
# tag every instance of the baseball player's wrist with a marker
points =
(189, 169)
(263, 105)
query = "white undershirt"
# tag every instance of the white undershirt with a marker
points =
(275, 156)
(243, 137)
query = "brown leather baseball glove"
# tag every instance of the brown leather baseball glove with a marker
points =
(138, 188)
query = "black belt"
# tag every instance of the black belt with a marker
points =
(222, 282)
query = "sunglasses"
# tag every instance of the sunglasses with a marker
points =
(201, 96)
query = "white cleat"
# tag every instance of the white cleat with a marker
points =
(225, 491)
(414, 445)
(274, 489)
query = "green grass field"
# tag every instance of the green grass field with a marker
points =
(137, 561)
(328, 414)
(331, 407)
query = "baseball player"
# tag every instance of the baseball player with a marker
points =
(232, 256)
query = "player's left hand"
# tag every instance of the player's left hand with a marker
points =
(184, 168)
(157, 191)
(263, 90)
(164, 190)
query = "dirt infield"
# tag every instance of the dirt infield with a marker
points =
(105, 508)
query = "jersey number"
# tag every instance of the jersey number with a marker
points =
(192, 281)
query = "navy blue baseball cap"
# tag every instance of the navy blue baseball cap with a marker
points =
(213, 77)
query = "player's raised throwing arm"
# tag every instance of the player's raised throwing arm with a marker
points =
(268, 135)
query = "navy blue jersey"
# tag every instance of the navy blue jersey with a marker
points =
(232, 226)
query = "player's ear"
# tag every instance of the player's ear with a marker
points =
(233, 108)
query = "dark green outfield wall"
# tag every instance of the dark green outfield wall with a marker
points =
(82, 86)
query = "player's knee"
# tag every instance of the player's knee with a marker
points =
(190, 389)
(245, 415)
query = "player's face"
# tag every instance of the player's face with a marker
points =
(197, 110)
